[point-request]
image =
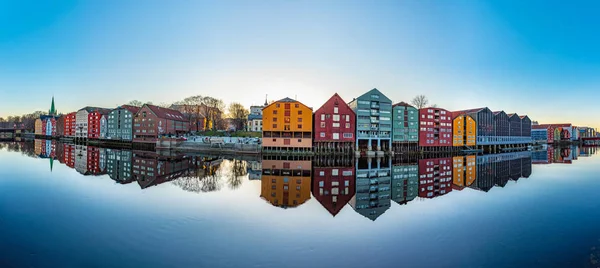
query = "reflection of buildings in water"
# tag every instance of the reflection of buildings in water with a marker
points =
(118, 165)
(542, 156)
(81, 159)
(37, 147)
(254, 170)
(563, 155)
(587, 151)
(90, 160)
(435, 177)
(150, 169)
(464, 171)
(498, 169)
(526, 166)
(333, 187)
(373, 187)
(69, 155)
(96, 160)
(203, 175)
(286, 183)
(404, 182)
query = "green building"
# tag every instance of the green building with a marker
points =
(405, 123)
(373, 187)
(405, 182)
(373, 121)
(118, 165)
(120, 123)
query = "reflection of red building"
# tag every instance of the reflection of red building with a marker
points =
(435, 127)
(333, 187)
(150, 168)
(96, 160)
(69, 155)
(435, 177)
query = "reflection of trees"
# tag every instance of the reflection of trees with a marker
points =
(25, 148)
(204, 178)
(238, 171)
(212, 175)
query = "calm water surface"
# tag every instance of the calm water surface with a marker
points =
(80, 206)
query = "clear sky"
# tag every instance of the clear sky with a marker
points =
(540, 58)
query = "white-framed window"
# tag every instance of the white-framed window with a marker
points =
(335, 172)
(336, 117)
(347, 135)
(336, 136)
(322, 135)
(335, 110)
(347, 118)
(322, 117)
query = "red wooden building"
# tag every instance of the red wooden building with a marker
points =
(69, 125)
(435, 177)
(97, 125)
(334, 125)
(333, 187)
(152, 121)
(435, 127)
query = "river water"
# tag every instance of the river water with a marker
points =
(63, 205)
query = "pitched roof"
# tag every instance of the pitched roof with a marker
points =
(403, 104)
(287, 100)
(497, 112)
(166, 113)
(476, 110)
(91, 109)
(130, 108)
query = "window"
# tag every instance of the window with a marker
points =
(286, 113)
(335, 110)
(277, 105)
(322, 117)
(347, 135)
(336, 136)
(336, 124)
(299, 126)
(334, 172)
(297, 105)
(347, 125)
(322, 135)
(274, 125)
(299, 120)
(347, 118)
(287, 106)
(336, 117)
(274, 119)
(275, 111)
(274, 140)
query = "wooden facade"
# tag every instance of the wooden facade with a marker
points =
(286, 183)
(334, 126)
(464, 132)
(373, 121)
(152, 122)
(435, 127)
(287, 124)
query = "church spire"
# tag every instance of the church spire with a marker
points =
(266, 103)
(52, 109)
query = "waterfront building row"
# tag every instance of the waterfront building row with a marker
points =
(372, 123)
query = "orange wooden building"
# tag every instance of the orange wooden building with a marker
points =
(464, 130)
(287, 125)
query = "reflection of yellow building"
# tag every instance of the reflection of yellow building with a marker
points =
(464, 170)
(38, 127)
(37, 147)
(464, 130)
(286, 183)
(287, 123)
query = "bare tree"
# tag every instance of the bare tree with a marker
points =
(239, 114)
(420, 101)
(212, 109)
(2, 120)
(434, 106)
(135, 103)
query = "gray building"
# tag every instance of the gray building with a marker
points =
(120, 123)
(373, 121)
(373, 187)
(118, 165)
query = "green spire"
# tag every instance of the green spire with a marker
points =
(51, 163)
(52, 109)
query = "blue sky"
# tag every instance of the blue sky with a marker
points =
(539, 58)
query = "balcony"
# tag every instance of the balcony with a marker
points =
(374, 112)
(375, 106)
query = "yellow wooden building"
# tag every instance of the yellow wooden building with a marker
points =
(464, 130)
(287, 123)
(39, 127)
